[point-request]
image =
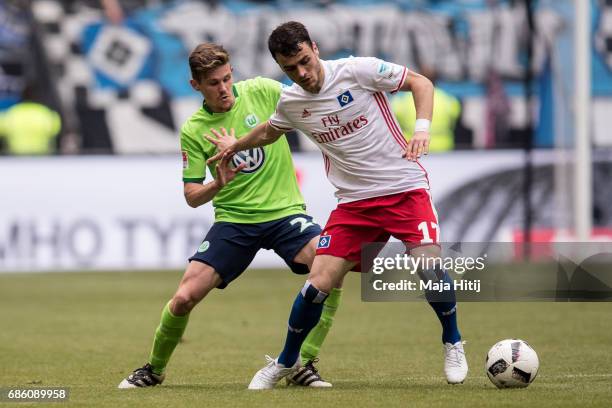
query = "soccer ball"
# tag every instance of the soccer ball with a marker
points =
(512, 363)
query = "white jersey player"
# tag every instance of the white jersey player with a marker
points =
(350, 120)
(382, 189)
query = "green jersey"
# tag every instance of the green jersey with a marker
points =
(266, 189)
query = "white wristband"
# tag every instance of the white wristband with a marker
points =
(422, 125)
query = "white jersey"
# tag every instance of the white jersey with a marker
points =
(351, 121)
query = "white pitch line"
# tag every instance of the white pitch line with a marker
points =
(603, 375)
(477, 377)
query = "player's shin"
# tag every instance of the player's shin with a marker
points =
(443, 303)
(312, 345)
(305, 314)
(167, 336)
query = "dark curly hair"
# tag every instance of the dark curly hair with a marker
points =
(285, 39)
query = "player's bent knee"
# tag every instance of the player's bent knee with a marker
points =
(313, 295)
(198, 281)
(321, 282)
(328, 272)
(183, 303)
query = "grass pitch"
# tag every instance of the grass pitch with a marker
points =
(88, 331)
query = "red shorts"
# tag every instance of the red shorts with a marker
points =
(409, 217)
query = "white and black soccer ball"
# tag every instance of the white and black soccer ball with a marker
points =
(512, 363)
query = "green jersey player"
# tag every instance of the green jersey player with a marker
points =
(257, 205)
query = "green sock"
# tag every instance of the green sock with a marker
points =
(316, 337)
(167, 336)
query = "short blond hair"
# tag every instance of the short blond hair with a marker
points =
(206, 57)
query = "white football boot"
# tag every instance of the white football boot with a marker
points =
(455, 364)
(272, 373)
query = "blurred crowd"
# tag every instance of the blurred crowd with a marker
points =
(36, 117)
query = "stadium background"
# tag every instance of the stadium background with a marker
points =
(108, 196)
(120, 83)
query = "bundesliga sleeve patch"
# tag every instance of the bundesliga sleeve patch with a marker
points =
(386, 70)
(383, 68)
(185, 159)
(324, 241)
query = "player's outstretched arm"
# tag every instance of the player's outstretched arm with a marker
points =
(423, 93)
(262, 135)
(198, 194)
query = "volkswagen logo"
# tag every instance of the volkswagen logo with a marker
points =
(253, 158)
